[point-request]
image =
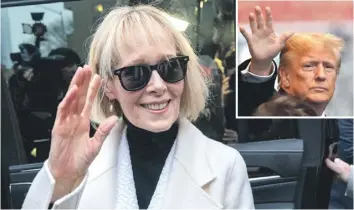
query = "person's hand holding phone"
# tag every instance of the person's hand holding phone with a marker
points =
(341, 168)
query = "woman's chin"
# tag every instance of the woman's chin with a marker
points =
(157, 127)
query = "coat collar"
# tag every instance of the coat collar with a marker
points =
(190, 170)
(191, 152)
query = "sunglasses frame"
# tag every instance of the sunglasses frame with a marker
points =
(151, 68)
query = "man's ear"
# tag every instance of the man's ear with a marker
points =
(109, 90)
(284, 78)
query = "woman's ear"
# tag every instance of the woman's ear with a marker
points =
(110, 90)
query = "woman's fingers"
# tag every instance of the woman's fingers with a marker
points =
(64, 108)
(83, 89)
(103, 130)
(73, 105)
(91, 94)
(77, 78)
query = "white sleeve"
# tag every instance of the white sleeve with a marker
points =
(248, 76)
(42, 188)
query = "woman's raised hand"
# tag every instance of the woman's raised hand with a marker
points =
(72, 150)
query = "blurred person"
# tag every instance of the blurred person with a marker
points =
(344, 172)
(285, 105)
(308, 69)
(152, 157)
(345, 153)
(68, 61)
(71, 61)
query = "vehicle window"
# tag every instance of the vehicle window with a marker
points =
(43, 44)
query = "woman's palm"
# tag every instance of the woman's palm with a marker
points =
(72, 150)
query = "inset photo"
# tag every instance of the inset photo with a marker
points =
(295, 59)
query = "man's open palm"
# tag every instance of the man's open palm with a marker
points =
(262, 41)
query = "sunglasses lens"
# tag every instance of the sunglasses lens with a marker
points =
(135, 77)
(173, 70)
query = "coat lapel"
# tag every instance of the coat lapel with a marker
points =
(189, 177)
(107, 157)
(100, 191)
(190, 174)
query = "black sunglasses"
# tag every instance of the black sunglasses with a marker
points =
(134, 78)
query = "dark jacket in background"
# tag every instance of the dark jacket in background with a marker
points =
(250, 96)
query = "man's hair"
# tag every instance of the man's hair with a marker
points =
(285, 105)
(300, 44)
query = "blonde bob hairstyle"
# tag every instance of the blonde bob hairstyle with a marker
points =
(126, 30)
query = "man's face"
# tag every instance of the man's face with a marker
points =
(313, 77)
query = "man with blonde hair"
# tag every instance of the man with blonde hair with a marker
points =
(309, 66)
(308, 70)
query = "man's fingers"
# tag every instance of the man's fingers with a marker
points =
(91, 94)
(244, 33)
(285, 36)
(104, 129)
(269, 19)
(260, 18)
(253, 23)
(65, 104)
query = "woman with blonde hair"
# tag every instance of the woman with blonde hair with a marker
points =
(152, 156)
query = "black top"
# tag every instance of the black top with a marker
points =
(148, 153)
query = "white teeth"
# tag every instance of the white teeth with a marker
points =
(156, 106)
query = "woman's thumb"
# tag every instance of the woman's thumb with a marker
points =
(104, 129)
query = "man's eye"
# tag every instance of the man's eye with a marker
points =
(308, 66)
(329, 67)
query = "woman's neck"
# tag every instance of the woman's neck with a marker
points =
(134, 132)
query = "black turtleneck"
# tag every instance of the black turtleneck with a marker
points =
(148, 153)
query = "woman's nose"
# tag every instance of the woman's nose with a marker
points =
(156, 84)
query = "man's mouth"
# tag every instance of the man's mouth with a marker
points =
(321, 89)
(156, 106)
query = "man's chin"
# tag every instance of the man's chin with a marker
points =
(319, 99)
